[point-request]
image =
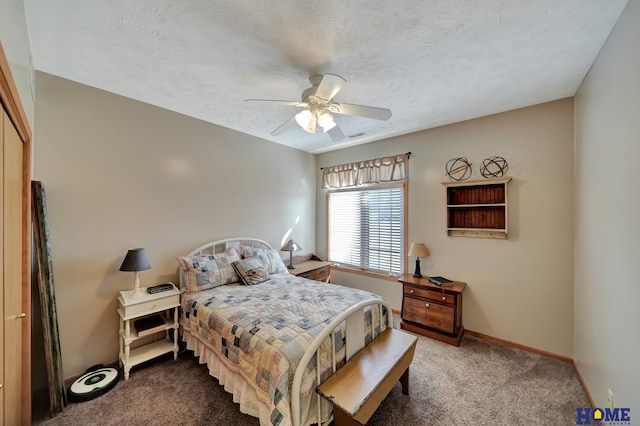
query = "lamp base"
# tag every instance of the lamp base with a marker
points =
(138, 292)
(291, 265)
(417, 273)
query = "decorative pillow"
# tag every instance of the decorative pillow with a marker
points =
(225, 265)
(200, 273)
(251, 271)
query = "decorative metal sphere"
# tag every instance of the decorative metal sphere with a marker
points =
(458, 169)
(494, 167)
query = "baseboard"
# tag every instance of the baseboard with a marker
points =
(584, 385)
(519, 346)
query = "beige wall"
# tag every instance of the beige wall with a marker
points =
(607, 152)
(15, 43)
(119, 174)
(520, 289)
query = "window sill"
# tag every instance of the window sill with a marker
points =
(357, 271)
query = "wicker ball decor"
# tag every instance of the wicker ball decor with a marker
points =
(458, 169)
(494, 167)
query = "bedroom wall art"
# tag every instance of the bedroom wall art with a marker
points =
(494, 167)
(458, 169)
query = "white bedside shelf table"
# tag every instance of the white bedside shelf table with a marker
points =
(132, 308)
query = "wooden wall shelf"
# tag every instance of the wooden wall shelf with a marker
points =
(477, 208)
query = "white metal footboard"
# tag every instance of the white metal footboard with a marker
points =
(355, 337)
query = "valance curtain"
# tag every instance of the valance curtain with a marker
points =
(385, 169)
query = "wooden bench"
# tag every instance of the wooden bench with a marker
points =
(357, 389)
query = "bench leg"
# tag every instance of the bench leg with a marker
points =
(404, 381)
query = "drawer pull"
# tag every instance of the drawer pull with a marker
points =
(411, 291)
(444, 298)
(426, 305)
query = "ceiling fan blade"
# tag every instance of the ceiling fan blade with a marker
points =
(275, 101)
(361, 111)
(330, 86)
(284, 126)
(336, 134)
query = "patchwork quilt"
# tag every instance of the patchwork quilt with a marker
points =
(262, 331)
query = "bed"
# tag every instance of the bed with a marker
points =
(271, 339)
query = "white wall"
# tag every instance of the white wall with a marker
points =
(607, 200)
(119, 174)
(520, 289)
(15, 43)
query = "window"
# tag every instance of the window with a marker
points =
(366, 228)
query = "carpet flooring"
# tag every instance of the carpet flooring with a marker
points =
(478, 383)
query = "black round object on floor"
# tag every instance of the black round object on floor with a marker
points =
(96, 381)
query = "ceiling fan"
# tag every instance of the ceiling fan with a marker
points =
(319, 108)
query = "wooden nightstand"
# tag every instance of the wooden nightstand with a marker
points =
(431, 310)
(314, 269)
(131, 309)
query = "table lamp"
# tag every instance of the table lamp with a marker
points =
(418, 250)
(136, 260)
(290, 246)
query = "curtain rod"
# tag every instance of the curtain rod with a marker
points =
(408, 154)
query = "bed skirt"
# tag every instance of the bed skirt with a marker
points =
(243, 393)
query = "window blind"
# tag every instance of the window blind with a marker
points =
(366, 228)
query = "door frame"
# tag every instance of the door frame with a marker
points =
(10, 99)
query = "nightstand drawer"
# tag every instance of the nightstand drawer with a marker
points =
(431, 295)
(320, 274)
(429, 314)
(151, 306)
(313, 270)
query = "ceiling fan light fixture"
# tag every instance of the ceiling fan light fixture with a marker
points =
(319, 108)
(326, 121)
(306, 120)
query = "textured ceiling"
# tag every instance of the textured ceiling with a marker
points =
(431, 62)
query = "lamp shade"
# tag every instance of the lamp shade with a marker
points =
(418, 250)
(307, 120)
(326, 121)
(290, 246)
(135, 260)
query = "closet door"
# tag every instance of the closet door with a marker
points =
(12, 267)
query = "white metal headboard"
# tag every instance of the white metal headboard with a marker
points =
(220, 245)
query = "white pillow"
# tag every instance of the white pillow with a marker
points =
(271, 260)
(277, 265)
